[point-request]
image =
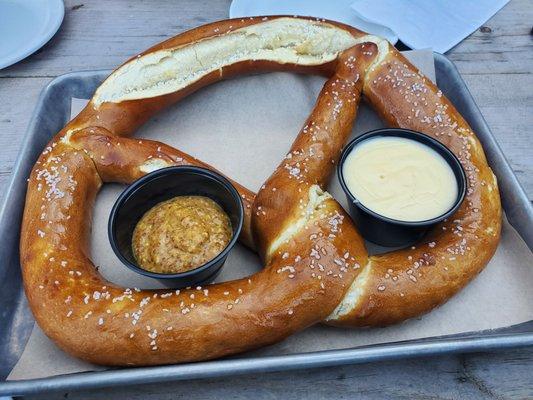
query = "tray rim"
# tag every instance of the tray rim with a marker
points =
(461, 343)
(242, 366)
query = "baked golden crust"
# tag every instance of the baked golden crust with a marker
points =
(317, 268)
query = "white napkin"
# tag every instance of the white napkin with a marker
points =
(336, 10)
(436, 24)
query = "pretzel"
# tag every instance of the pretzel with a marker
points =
(316, 266)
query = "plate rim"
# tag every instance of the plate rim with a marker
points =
(57, 14)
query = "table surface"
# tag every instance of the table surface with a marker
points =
(496, 62)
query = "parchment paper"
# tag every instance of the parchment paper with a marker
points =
(244, 127)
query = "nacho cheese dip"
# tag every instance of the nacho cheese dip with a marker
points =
(180, 234)
(400, 178)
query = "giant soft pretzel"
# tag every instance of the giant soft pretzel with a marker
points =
(316, 265)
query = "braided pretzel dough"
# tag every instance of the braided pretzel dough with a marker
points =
(316, 266)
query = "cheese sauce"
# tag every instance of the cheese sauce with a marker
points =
(400, 179)
(180, 234)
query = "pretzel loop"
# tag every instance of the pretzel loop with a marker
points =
(316, 266)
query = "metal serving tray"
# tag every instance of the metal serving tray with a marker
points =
(16, 321)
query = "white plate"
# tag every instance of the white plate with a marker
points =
(336, 10)
(25, 26)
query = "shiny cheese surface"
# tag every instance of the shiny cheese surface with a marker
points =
(400, 179)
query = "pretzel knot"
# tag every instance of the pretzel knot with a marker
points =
(316, 265)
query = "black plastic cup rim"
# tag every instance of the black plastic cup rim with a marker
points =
(434, 144)
(177, 170)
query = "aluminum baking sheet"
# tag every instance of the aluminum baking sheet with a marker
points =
(16, 321)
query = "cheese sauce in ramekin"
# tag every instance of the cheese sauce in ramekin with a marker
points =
(400, 178)
(399, 183)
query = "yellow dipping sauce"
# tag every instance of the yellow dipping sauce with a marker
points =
(180, 234)
(400, 179)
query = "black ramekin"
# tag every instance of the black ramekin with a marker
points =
(162, 185)
(386, 231)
